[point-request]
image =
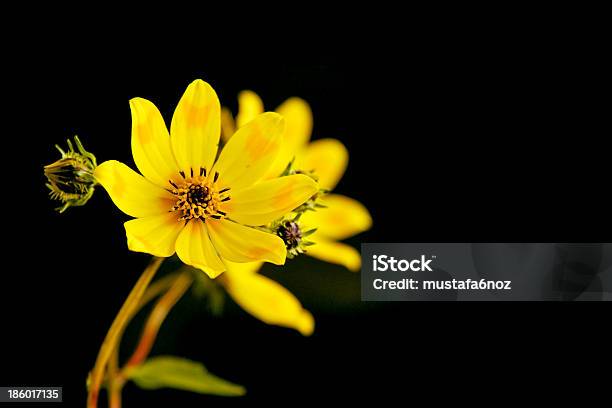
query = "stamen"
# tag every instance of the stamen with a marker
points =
(224, 190)
(197, 196)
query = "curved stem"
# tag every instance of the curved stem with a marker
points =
(154, 290)
(117, 327)
(114, 390)
(157, 288)
(115, 398)
(157, 317)
(152, 326)
(115, 379)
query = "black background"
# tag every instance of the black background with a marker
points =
(463, 137)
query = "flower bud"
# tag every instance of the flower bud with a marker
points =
(291, 233)
(70, 179)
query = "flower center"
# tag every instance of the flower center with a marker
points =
(290, 232)
(198, 196)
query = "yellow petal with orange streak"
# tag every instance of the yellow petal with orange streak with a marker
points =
(239, 243)
(132, 193)
(196, 127)
(269, 200)
(248, 155)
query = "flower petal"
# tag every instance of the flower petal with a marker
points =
(298, 116)
(328, 158)
(269, 200)
(249, 106)
(238, 243)
(194, 248)
(250, 152)
(343, 217)
(268, 301)
(298, 119)
(132, 193)
(243, 267)
(151, 143)
(196, 127)
(155, 234)
(228, 127)
(334, 252)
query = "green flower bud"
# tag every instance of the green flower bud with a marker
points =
(70, 179)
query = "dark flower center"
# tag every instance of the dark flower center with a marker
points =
(290, 233)
(198, 194)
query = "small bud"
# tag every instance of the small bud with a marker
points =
(70, 179)
(293, 237)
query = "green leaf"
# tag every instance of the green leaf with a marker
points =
(182, 374)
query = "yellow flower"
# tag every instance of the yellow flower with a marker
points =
(328, 158)
(188, 202)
